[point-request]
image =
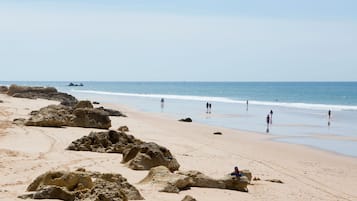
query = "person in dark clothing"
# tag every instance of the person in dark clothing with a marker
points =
(236, 172)
(271, 116)
(268, 122)
(207, 107)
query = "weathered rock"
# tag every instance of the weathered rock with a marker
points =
(147, 155)
(1, 101)
(51, 116)
(96, 103)
(90, 118)
(83, 104)
(217, 133)
(60, 115)
(112, 112)
(19, 121)
(188, 198)
(123, 129)
(275, 181)
(3, 89)
(82, 185)
(174, 182)
(188, 119)
(108, 141)
(49, 93)
(167, 181)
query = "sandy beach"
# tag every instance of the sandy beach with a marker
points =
(306, 173)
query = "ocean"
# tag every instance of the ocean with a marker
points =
(300, 109)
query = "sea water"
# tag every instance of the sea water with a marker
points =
(299, 108)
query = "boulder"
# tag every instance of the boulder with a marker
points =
(217, 133)
(82, 185)
(107, 142)
(4, 89)
(112, 112)
(147, 155)
(166, 181)
(90, 118)
(123, 129)
(60, 115)
(83, 104)
(51, 116)
(170, 182)
(49, 93)
(188, 119)
(188, 198)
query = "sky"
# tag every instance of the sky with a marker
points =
(182, 40)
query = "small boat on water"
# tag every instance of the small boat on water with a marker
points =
(75, 85)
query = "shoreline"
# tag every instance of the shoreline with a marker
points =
(307, 173)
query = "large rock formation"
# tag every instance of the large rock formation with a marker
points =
(81, 185)
(81, 115)
(138, 155)
(104, 142)
(147, 155)
(170, 182)
(3, 89)
(49, 93)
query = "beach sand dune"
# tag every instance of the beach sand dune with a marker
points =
(306, 173)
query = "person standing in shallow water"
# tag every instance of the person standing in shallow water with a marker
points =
(329, 118)
(271, 116)
(268, 122)
(207, 107)
(247, 105)
(162, 103)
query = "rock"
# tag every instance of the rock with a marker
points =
(246, 173)
(3, 89)
(49, 93)
(95, 103)
(175, 182)
(54, 192)
(148, 155)
(19, 121)
(112, 112)
(217, 133)
(1, 101)
(256, 179)
(166, 181)
(83, 104)
(82, 185)
(275, 181)
(51, 116)
(188, 198)
(90, 118)
(60, 115)
(107, 141)
(123, 129)
(188, 119)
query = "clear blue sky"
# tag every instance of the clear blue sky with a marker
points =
(183, 40)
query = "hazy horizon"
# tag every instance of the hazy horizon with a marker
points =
(178, 41)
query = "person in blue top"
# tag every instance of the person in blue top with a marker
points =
(236, 172)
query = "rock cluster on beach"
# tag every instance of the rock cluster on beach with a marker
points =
(166, 181)
(82, 185)
(49, 93)
(81, 115)
(138, 155)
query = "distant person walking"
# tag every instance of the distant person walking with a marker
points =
(247, 105)
(271, 116)
(162, 103)
(209, 108)
(329, 117)
(268, 122)
(207, 104)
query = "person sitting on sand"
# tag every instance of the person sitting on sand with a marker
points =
(236, 172)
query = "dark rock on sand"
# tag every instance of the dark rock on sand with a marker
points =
(275, 181)
(147, 155)
(175, 182)
(188, 198)
(112, 112)
(82, 185)
(188, 119)
(49, 93)
(1, 101)
(60, 115)
(217, 133)
(83, 104)
(3, 89)
(123, 129)
(95, 103)
(104, 142)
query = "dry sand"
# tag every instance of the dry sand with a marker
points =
(308, 174)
